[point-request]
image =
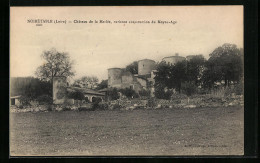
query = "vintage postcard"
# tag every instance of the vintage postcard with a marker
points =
(126, 81)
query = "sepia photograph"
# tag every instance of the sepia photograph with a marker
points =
(126, 81)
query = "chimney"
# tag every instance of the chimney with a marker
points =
(176, 54)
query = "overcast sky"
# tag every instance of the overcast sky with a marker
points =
(97, 47)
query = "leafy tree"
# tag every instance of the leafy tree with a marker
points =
(133, 67)
(225, 64)
(103, 84)
(162, 92)
(30, 89)
(113, 94)
(170, 76)
(162, 75)
(56, 64)
(86, 82)
(178, 75)
(195, 67)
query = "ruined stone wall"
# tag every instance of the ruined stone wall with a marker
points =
(114, 77)
(59, 90)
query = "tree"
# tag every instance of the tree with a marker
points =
(178, 75)
(113, 94)
(30, 89)
(195, 67)
(133, 67)
(162, 92)
(170, 76)
(56, 64)
(189, 88)
(225, 64)
(86, 82)
(103, 84)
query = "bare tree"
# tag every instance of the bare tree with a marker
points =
(56, 64)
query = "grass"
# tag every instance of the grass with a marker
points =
(199, 131)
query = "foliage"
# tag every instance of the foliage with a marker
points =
(145, 93)
(170, 76)
(30, 89)
(225, 64)
(133, 67)
(189, 88)
(96, 99)
(151, 102)
(44, 99)
(25, 100)
(195, 67)
(56, 64)
(116, 107)
(103, 84)
(76, 95)
(86, 82)
(113, 94)
(128, 92)
(162, 93)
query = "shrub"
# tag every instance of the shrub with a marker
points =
(113, 94)
(77, 95)
(25, 100)
(116, 107)
(160, 93)
(189, 88)
(128, 92)
(103, 106)
(95, 105)
(239, 88)
(96, 99)
(151, 102)
(83, 109)
(44, 99)
(65, 108)
(144, 93)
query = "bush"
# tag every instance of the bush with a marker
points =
(239, 88)
(95, 105)
(77, 95)
(130, 93)
(160, 93)
(25, 100)
(103, 106)
(116, 107)
(96, 99)
(189, 88)
(44, 99)
(151, 102)
(113, 94)
(144, 93)
(83, 109)
(65, 108)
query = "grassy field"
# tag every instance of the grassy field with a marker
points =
(199, 131)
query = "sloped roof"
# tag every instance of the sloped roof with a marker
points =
(86, 91)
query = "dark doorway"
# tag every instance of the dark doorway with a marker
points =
(13, 101)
